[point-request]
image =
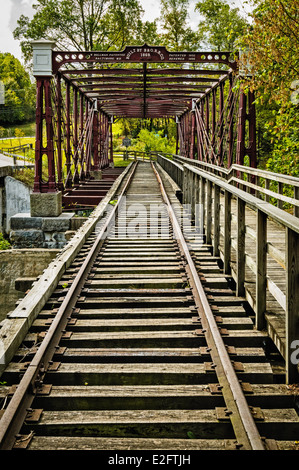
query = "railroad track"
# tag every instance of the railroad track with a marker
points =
(144, 346)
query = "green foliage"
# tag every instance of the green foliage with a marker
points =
(272, 43)
(147, 33)
(4, 244)
(221, 25)
(19, 92)
(284, 133)
(153, 142)
(176, 33)
(83, 24)
(26, 175)
(272, 39)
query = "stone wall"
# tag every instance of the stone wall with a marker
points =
(17, 199)
(16, 264)
(4, 172)
(41, 232)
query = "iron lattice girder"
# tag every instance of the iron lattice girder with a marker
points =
(103, 79)
(177, 86)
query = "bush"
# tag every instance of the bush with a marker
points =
(4, 244)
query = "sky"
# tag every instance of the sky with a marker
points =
(12, 9)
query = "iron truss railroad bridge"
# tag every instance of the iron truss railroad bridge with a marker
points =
(183, 339)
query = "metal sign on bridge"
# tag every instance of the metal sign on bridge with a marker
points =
(144, 53)
(126, 142)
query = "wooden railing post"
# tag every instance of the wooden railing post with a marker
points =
(227, 232)
(198, 212)
(202, 200)
(185, 186)
(193, 187)
(216, 220)
(267, 186)
(240, 287)
(296, 196)
(209, 213)
(280, 191)
(292, 305)
(261, 269)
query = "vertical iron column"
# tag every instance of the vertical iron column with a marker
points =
(101, 142)
(214, 123)
(207, 125)
(68, 182)
(252, 150)
(177, 137)
(231, 123)
(44, 114)
(221, 123)
(75, 138)
(111, 142)
(249, 116)
(95, 144)
(192, 135)
(241, 129)
(82, 129)
(59, 133)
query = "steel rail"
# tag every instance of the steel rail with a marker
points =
(17, 409)
(246, 432)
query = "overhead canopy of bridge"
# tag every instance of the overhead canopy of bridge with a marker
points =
(143, 82)
(79, 94)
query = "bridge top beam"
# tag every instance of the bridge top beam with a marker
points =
(117, 82)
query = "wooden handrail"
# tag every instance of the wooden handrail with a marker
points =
(236, 173)
(212, 193)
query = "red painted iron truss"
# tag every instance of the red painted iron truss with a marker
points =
(77, 105)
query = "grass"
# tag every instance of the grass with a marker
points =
(6, 144)
(27, 128)
(120, 162)
(16, 141)
(26, 175)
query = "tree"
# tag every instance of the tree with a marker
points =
(273, 45)
(154, 142)
(81, 25)
(147, 33)
(272, 49)
(176, 33)
(19, 134)
(19, 91)
(221, 24)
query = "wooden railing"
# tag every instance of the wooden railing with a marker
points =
(280, 190)
(136, 155)
(258, 244)
(23, 147)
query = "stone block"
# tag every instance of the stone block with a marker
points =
(62, 223)
(50, 244)
(25, 221)
(17, 199)
(27, 238)
(46, 204)
(59, 237)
